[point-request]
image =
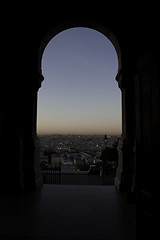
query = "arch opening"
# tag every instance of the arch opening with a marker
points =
(65, 87)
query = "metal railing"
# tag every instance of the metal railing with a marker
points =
(56, 176)
(51, 175)
(108, 176)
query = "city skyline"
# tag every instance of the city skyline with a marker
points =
(79, 94)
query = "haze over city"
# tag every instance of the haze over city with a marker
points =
(79, 94)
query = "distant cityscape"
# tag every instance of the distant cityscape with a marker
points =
(70, 150)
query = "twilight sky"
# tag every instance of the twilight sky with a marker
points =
(79, 94)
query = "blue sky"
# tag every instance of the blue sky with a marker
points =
(79, 94)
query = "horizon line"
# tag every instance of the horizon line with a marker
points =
(78, 134)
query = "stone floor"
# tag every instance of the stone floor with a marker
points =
(63, 212)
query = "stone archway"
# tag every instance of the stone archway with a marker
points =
(125, 177)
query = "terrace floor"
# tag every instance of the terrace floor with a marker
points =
(63, 212)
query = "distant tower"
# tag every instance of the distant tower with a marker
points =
(105, 140)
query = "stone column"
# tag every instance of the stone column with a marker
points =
(32, 178)
(123, 180)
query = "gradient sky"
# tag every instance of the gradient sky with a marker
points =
(79, 94)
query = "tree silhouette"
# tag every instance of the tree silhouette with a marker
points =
(109, 155)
